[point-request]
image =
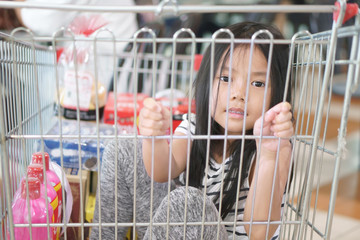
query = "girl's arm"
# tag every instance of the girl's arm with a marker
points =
(154, 120)
(277, 122)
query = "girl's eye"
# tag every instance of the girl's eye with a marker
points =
(258, 84)
(224, 78)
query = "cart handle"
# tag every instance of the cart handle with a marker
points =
(352, 10)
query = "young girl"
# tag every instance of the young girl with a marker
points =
(255, 161)
(231, 118)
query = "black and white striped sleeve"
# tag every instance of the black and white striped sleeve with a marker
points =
(184, 125)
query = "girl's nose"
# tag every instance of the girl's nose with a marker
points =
(238, 89)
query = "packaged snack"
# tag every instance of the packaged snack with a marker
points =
(80, 89)
(67, 154)
(180, 107)
(125, 108)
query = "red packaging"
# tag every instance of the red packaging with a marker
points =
(125, 108)
(180, 107)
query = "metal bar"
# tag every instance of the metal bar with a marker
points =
(18, 130)
(176, 9)
(342, 134)
(32, 136)
(5, 167)
(330, 57)
(157, 40)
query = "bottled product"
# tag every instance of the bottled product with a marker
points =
(37, 171)
(54, 181)
(37, 209)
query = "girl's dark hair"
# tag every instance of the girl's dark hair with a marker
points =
(198, 153)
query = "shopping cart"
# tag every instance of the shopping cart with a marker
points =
(30, 77)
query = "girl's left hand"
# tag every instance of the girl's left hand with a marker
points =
(278, 123)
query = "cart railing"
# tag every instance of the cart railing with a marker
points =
(29, 78)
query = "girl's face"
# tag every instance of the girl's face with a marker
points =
(239, 75)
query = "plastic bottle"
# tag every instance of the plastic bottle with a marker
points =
(37, 171)
(54, 181)
(38, 209)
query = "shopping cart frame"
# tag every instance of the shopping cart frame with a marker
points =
(165, 8)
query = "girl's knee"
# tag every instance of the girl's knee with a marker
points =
(187, 202)
(121, 152)
(189, 191)
(123, 148)
(193, 195)
(192, 201)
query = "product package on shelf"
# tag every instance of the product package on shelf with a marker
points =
(126, 107)
(80, 142)
(180, 107)
(79, 89)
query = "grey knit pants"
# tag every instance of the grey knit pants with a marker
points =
(161, 203)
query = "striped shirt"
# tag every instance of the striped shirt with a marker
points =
(216, 172)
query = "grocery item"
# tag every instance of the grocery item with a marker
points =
(125, 107)
(37, 209)
(81, 92)
(37, 158)
(65, 153)
(180, 106)
(46, 190)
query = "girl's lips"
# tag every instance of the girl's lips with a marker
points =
(236, 113)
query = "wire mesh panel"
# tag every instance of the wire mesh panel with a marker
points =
(109, 165)
(311, 70)
(25, 73)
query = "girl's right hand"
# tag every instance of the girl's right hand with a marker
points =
(154, 118)
(277, 122)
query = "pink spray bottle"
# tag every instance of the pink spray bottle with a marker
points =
(54, 181)
(37, 209)
(37, 171)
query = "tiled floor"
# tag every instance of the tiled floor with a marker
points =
(343, 228)
(346, 221)
(348, 196)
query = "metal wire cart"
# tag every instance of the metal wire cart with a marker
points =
(33, 119)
